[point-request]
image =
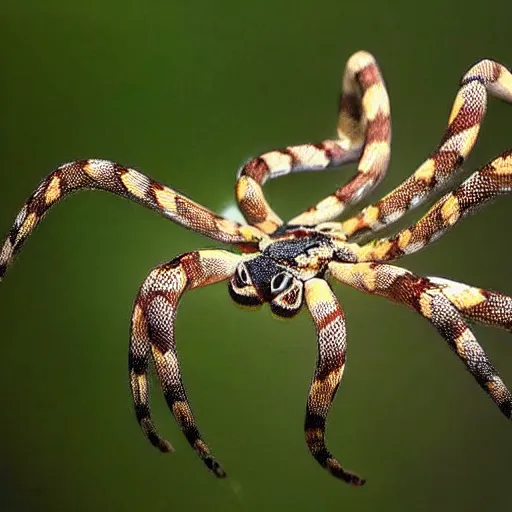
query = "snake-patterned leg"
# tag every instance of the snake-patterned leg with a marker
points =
(126, 182)
(331, 334)
(364, 126)
(477, 304)
(364, 96)
(492, 180)
(424, 296)
(457, 142)
(152, 331)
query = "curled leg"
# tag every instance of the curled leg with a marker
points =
(492, 180)
(152, 334)
(331, 334)
(364, 128)
(457, 142)
(126, 182)
(364, 98)
(426, 297)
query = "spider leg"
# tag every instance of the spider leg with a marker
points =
(363, 81)
(425, 297)
(477, 304)
(493, 179)
(126, 182)
(152, 331)
(364, 128)
(330, 326)
(457, 142)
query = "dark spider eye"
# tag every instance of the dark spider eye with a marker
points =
(243, 275)
(280, 282)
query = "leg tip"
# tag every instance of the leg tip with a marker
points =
(220, 473)
(337, 471)
(165, 447)
(154, 438)
(214, 466)
(357, 481)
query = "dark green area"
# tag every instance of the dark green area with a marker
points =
(186, 91)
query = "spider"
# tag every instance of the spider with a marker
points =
(287, 264)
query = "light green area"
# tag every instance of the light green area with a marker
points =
(186, 91)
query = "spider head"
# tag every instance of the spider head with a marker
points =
(262, 280)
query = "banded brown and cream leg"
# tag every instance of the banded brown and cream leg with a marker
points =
(477, 304)
(492, 180)
(433, 303)
(331, 335)
(457, 142)
(126, 182)
(364, 128)
(152, 333)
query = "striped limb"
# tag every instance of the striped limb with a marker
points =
(444, 306)
(458, 140)
(129, 183)
(364, 128)
(330, 326)
(152, 333)
(476, 304)
(492, 180)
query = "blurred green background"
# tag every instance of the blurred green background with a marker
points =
(187, 91)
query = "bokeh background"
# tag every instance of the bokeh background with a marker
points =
(187, 91)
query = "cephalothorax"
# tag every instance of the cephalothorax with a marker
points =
(278, 271)
(287, 265)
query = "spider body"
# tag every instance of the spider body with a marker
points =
(288, 265)
(277, 272)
